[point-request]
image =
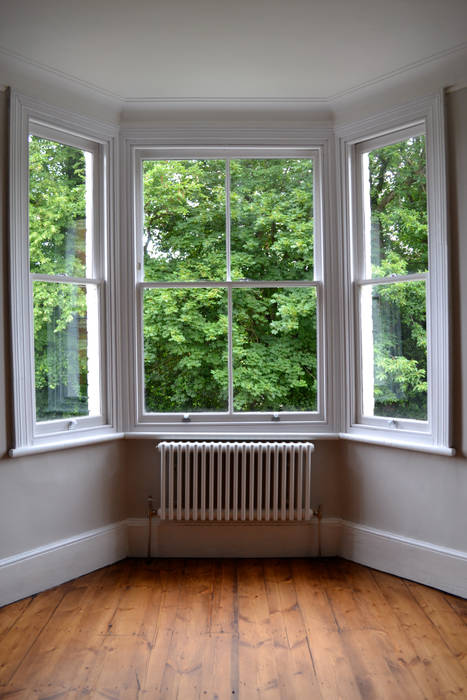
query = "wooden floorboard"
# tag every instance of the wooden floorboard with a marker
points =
(265, 629)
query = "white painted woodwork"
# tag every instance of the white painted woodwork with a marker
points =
(29, 572)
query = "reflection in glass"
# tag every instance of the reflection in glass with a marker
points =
(396, 225)
(60, 209)
(275, 349)
(271, 205)
(394, 350)
(185, 350)
(184, 220)
(66, 350)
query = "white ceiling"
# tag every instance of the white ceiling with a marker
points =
(302, 49)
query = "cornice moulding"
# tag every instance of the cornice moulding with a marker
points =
(182, 103)
(57, 73)
(402, 71)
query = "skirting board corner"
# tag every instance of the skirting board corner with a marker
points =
(30, 572)
(35, 570)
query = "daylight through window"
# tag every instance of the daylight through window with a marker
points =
(64, 285)
(229, 301)
(394, 279)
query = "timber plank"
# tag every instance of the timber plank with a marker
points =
(183, 670)
(258, 676)
(444, 618)
(377, 614)
(442, 671)
(217, 679)
(294, 661)
(457, 604)
(223, 616)
(120, 668)
(161, 644)
(334, 671)
(58, 663)
(23, 634)
(136, 612)
(281, 629)
(10, 614)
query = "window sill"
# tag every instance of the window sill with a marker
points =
(231, 436)
(157, 436)
(64, 444)
(391, 441)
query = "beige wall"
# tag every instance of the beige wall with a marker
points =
(50, 496)
(415, 494)
(142, 461)
(47, 497)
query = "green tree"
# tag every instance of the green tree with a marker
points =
(57, 246)
(184, 239)
(185, 330)
(399, 246)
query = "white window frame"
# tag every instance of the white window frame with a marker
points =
(229, 424)
(31, 117)
(424, 116)
(121, 365)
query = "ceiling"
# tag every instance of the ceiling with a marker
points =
(215, 49)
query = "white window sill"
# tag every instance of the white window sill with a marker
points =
(228, 437)
(64, 444)
(157, 436)
(392, 441)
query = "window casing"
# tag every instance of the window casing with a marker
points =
(403, 427)
(230, 420)
(61, 303)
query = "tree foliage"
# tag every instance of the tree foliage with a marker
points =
(57, 246)
(185, 330)
(274, 330)
(399, 246)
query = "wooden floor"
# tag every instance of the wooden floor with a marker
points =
(235, 628)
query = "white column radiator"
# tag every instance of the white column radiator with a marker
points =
(236, 481)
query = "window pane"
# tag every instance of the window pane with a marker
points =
(66, 350)
(185, 350)
(396, 228)
(394, 350)
(184, 220)
(272, 219)
(275, 349)
(60, 209)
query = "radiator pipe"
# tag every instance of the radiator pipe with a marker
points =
(151, 513)
(318, 513)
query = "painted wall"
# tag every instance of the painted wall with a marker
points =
(415, 494)
(47, 497)
(142, 459)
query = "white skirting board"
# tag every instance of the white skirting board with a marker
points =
(29, 572)
(423, 562)
(239, 539)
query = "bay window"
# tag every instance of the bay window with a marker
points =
(253, 290)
